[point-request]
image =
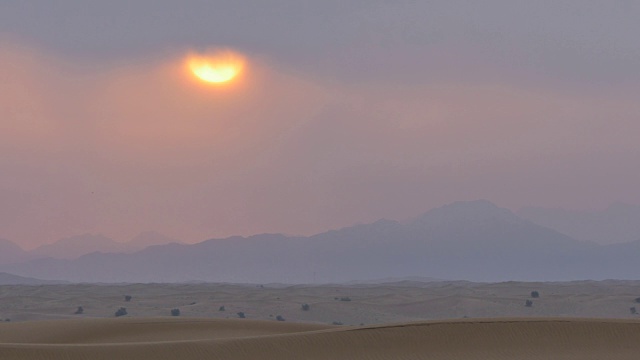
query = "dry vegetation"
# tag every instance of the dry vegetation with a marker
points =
(350, 305)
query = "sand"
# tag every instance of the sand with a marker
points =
(185, 339)
(369, 304)
(402, 320)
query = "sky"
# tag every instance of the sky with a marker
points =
(347, 112)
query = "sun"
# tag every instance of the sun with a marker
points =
(216, 68)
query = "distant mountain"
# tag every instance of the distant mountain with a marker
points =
(150, 238)
(11, 253)
(619, 223)
(76, 246)
(413, 280)
(475, 241)
(10, 279)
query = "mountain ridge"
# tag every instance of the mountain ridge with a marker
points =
(618, 223)
(475, 241)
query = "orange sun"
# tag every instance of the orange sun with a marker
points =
(216, 68)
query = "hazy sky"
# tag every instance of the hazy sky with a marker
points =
(349, 111)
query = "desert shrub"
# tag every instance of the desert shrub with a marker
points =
(241, 314)
(337, 323)
(336, 298)
(306, 307)
(175, 312)
(79, 311)
(638, 300)
(535, 294)
(528, 303)
(121, 312)
(345, 298)
(633, 310)
(221, 308)
(279, 318)
(127, 298)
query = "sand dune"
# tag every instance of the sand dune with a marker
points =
(169, 338)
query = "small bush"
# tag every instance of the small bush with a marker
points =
(241, 315)
(279, 318)
(306, 307)
(79, 311)
(633, 310)
(221, 308)
(345, 298)
(175, 312)
(127, 298)
(528, 303)
(638, 300)
(535, 294)
(121, 312)
(337, 323)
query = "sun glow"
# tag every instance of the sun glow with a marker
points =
(216, 68)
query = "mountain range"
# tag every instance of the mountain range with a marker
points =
(77, 246)
(10, 279)
(474, 240)
(618, 223)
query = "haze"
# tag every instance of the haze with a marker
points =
(349, 112)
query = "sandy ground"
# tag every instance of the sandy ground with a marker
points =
(405, 320)
(369, 304)
(185, 339)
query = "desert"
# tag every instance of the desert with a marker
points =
(252, 339)
(326, 179)
(396, 320)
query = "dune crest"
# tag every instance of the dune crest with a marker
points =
(164, 338)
